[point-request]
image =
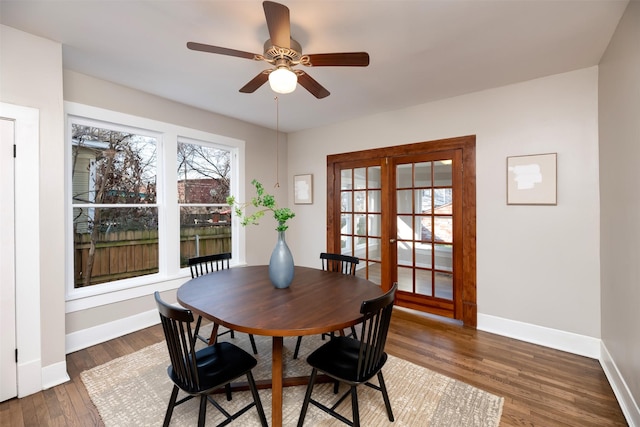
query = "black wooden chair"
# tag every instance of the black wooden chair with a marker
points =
(208, 264)
(202, 372)
(337, 263)
(353, 361)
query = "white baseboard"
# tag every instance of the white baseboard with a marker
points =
(98, 334)
(627, 403)
(548, 337)
(29, 377)
(54, 375)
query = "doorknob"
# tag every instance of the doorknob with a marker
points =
(392, 240)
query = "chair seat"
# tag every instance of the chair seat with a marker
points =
(338, 358)
(218, 364)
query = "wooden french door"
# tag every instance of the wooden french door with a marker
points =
(408, 213)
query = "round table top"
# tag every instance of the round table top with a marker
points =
(243, 299)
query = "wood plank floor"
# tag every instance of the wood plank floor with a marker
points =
(541, 386)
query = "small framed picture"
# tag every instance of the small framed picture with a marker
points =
(303, 189)
(531, 180)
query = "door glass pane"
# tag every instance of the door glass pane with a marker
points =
(346, 225)
(423, 174)
(374, 225)
(443, 200)
(444, 257)
(404, 202)
(360, 201)
(404, 226)
(374, 177)
(345, 244)
(442, 173)
(444, 229)
(345, 201)
(423, 228)
(361, 225)
(374, 201)
(360, 178)
(375, 249)
(423, 282)
(345, 179)
(405, 253)
(423, 255)
(405, 279)
(444, 285)
(403, 176)
(425, 200)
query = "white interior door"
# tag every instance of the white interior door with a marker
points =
(8, 365)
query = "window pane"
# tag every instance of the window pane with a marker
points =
(112, 167)
(203, 174)
(203, 231)
(114, 243)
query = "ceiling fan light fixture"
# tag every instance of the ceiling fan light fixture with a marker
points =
(283, 80)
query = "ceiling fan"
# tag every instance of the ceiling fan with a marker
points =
(284, 53)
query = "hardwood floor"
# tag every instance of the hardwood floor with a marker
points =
(541, 386)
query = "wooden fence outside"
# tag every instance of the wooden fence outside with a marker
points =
(125, 254)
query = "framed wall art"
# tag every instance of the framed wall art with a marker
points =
(303, 189)
(531, 179)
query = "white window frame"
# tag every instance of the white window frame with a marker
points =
(170, 275)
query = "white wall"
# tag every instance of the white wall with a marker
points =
(620, 209)
(536, 264)
(31, 76)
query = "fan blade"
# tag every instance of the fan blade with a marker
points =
(278, 22)
(347, 59)
(221, 50)
(315, 88)
(255, 83)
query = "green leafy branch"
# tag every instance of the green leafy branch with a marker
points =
(261, 200)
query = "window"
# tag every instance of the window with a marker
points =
(203, 188)
(115, 214)
(130, 229)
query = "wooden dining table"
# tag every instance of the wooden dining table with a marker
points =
(243, 299)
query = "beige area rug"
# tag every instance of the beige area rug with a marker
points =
(134, 390)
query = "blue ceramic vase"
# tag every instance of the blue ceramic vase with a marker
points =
(281, 264)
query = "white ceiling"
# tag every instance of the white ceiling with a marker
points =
(420, 50)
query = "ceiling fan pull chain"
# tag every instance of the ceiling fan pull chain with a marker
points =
(277, 142)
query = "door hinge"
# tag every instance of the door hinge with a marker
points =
(14, 150)
(16, 355)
